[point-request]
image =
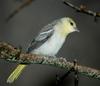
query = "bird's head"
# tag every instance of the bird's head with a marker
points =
(67, 25)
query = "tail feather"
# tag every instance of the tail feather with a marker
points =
(15, 74)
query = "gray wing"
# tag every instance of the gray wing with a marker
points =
(45, 33)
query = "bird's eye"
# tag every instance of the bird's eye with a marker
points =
(71, 23)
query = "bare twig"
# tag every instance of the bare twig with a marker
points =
(18, 9)
(9, 53)
(83, 9)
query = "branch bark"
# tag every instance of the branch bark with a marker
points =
(12, 54)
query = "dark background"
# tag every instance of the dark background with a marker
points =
(19, 31)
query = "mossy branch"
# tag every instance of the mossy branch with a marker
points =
(12, 54)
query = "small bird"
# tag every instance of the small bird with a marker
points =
(48, 41)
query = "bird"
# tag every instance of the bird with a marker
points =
(48, 41)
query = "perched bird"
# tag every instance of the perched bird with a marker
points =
(48, 41)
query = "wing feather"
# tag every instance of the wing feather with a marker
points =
(45, 33)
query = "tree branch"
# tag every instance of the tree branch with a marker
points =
(83, 9)
(18, 9)
(12, 54)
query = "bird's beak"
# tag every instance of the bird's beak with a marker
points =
(76, 29)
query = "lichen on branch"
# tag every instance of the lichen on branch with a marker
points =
(12, 54)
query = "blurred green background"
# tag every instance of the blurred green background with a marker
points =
(19, 31)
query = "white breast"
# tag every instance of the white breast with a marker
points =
(50, 47)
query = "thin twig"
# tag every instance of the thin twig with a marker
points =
(83, 9)
(11, 54)
(18, 9)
